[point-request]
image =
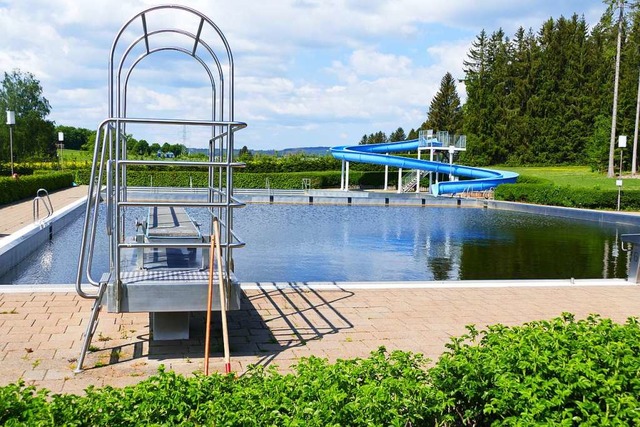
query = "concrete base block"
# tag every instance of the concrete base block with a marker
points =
(170, 325)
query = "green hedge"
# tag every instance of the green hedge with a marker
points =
(20, 169)
(291, 180)
(530, 179)
(558, 372)
(27, 186)
(548, 194)
(530, 189)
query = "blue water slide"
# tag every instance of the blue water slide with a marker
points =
(477, 179)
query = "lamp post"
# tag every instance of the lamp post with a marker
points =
(61, 147)
(11, 120)
(622, 143)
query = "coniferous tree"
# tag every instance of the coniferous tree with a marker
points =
(445, 111)
(476, 123)
(397, 135)
(540, 97)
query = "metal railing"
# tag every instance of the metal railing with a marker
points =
(42, 195)
(117, 195)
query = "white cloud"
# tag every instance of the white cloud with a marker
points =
(307, 71)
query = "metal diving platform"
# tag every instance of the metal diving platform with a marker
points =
(166, 266)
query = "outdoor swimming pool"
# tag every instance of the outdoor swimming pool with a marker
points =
(381, 243)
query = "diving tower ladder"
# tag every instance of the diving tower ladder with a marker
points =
(163, 266)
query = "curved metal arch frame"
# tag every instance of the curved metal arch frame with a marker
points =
(176, 49)
(171, 48)
(197, 40)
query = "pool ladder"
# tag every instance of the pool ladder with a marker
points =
(42, 195)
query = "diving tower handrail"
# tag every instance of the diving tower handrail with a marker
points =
(132, 245)
(224, 225)
(94, 193)
(187, 204)
(180, 163)
(234, 125)
(217, 137)
(104, 129)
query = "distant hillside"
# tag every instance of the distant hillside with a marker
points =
(318, 151)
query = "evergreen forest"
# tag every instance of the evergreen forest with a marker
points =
(545, 97)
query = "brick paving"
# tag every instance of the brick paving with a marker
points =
(40, 332)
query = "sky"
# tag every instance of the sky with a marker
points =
(307, 72)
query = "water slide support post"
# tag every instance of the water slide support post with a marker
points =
(386, 176)
(346, 181)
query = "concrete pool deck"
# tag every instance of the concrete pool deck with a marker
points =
(41, 327)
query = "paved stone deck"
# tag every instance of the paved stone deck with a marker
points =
(40, 332)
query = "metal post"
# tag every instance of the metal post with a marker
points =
(346, 180)
(634, 160)
(619, 181)
(622, 143)
(399, 180)
(11, 146)
(11, 121)
(431, 173)
(418, 174)
(610, 172)
(61, 147)
(386, 176)
(452, 149)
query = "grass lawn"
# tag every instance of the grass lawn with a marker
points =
(575, 176)
(76, 155)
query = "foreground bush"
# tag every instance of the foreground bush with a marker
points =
(384, 389)
(558, 372)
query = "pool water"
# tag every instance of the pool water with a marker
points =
(380, 243)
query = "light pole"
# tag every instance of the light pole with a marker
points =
(622, 143)
(61, 147)
(11, 120)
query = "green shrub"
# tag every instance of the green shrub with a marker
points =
(20, 169)
(558, 372)
(279, 180)
(27, 186)
(530, 179)
(575, 197)
(384, 389)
